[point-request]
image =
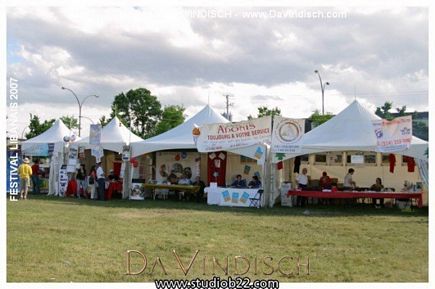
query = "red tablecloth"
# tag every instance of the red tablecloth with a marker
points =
(355, 195)
(113, 186)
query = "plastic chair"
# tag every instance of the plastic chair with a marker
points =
(256, 200)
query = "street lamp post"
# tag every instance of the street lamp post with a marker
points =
(322, 87)
(80, 103)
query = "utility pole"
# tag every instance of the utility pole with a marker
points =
(227, 114)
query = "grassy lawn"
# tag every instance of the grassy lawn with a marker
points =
(61, 240)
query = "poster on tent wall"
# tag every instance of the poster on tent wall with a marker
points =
(286, 134)
(227, 136)
(41, 150)
(95, 134)
(98, 153)
(63, 180)
(177, 163)
(394, 135)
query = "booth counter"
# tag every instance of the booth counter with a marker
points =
(230, 197)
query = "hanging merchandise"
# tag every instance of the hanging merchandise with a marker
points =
(411, 163)
(392, 160)
(216, 168)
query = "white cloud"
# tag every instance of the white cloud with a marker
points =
(373, 54)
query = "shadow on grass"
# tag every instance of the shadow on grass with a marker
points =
(309, 211)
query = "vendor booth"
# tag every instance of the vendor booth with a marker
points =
(356, 138)
(51, 143)
(175, 152)
(113, 141)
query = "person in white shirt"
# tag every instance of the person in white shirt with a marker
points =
(183, 181)
(101, 181)
(302, 180)
(348, 183)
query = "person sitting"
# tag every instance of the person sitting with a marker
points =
(201, 184)
(172, 179)
(183, 181)
(325, 182)
(238, 182)
(348, 183)
(254, 183)
(112, 177)
(377, 187)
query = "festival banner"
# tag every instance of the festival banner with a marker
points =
(286, 134)
(95, 134)
(394, 135)
(226, 136)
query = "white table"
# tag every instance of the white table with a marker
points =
(230, 197)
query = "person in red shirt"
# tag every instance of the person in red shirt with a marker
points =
(35, 177)
(325, 181)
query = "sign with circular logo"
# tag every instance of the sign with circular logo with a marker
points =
(288, 131)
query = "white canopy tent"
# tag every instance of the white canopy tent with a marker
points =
(351, 130)
(114, 136)
(181, 137)
(38, 146)
(54, 134)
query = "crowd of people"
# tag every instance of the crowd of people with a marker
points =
(92, 184)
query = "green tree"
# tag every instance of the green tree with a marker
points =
(384, 111)
(140, 109)
(70, 121)
(317, 118)
(419, 128)
(37, 127)
(265, 111)
(104, 120)
(172, 116)
(401, 111)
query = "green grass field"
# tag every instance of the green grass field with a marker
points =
(62, 240)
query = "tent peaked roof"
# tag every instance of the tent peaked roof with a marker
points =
(115, 132)
(351, 126)
(114, 136)
(54, 134)
(180, 137)
(352, 129)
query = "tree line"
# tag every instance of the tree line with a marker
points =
(137, 109)
(142, 112)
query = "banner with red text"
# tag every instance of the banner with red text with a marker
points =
(395, 135)
(226, 136)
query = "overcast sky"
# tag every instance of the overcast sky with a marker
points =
(193, 56)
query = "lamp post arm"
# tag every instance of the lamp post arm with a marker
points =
(84, 99)
(78, 101)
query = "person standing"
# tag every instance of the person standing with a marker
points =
(92, 179)
(302, 180)
(35, 177)
(348, 183)
(81, 176)
(25, 172)
(101, 182)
